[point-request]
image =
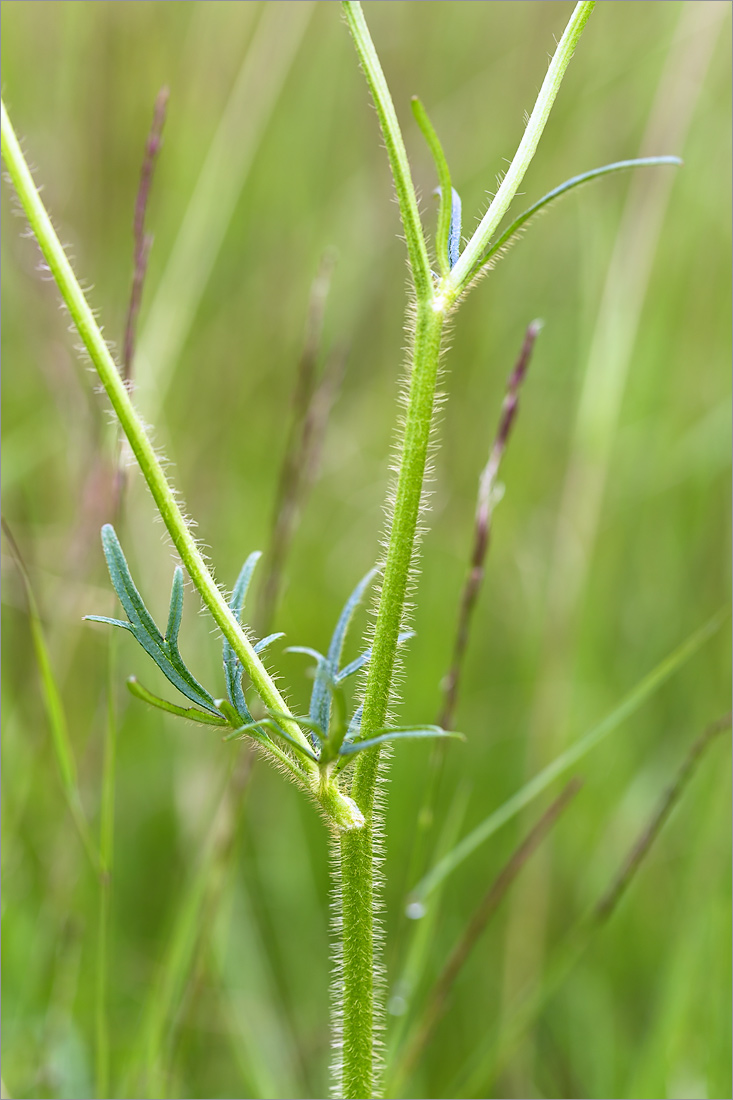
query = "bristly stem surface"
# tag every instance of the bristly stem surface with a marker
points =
(358, 1073)
(339, 808)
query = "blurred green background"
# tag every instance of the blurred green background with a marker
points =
(610, 546)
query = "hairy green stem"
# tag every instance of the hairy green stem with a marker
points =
(417, 252)
(359, 1073)
(338, 807)
(358, 1070)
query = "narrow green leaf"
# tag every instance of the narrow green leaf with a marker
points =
(192, 713)
(568, 759)
(272, 725)
(233, 669)
(364, 658)
(239, 594)
(164, 651)
(520, 223)
(398, 733)
(175, 612)
(355, 724)
(55, 711)
(404, 187)
(124, 585)
(326, 672)
(106, 858)
(446, 192)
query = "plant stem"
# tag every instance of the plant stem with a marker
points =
(357, 850)
(338, 807)
(143, 240)
(461, 274)
(357, 1072)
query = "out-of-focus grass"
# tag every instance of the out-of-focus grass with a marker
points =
(647, 1012)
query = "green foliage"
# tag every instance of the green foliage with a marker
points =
(246, 1012)
(163, 650)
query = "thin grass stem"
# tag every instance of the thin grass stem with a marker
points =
(106, 859)
(608, 903)
(55, 711)
(143, 241)
(307, 424)
(628, 706)
(358, 1070)
(486, 909)
(483, 526)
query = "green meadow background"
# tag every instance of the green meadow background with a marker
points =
(610, 545)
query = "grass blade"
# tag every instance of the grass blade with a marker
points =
(494, 1055)
(420, 936)
(164, 651)
(165, 994)
(567, 759)
(143, 241)
(607, 904)
(55, 712)
(175, 612)
(482, 528)
(106, 858)
(486, 909)
(224, 171)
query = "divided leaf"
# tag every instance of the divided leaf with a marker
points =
(330, 732)
(327, 670)
(164, 651)
(192, 713)
(363, 658)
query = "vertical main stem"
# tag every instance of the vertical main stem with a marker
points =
(359, 1070)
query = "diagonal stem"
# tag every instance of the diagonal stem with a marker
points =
(338, 807)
